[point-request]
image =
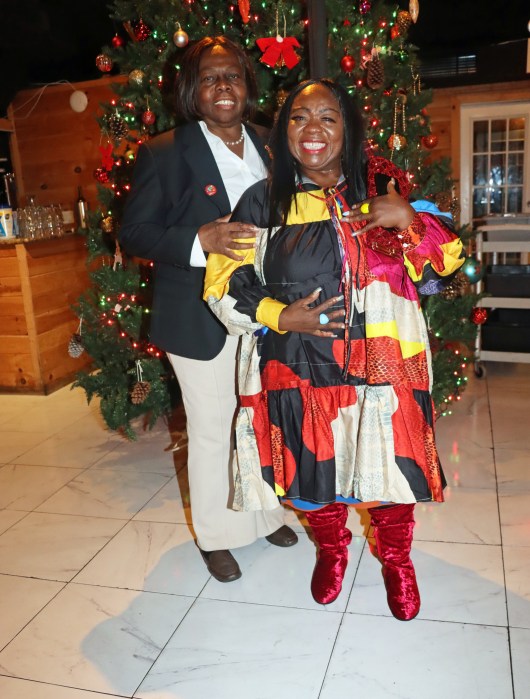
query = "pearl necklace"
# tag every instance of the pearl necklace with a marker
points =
(239, 140)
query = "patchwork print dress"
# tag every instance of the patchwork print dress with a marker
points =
(334, 419)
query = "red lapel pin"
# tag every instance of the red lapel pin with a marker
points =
(210, 190)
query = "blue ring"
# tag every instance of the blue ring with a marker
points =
(323, 319)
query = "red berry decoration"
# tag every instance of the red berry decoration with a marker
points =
(479, 315)
(365, 7)
(347, 63)
(101, 175)
(104, 63)
(117, 41)
(148, 117)
(430, 141)
(141, 30)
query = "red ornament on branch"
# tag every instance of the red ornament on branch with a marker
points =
(479, 315)
(148, 117)
(117, 41)
(279, 51)
(347, 63)
(101, 175)
(244, 10)
(107, 161)
(104, 63)
(430, 141)
(141, 30)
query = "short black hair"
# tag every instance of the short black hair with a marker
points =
(283, 180)
(188, 77)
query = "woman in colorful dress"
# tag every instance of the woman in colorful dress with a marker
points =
(334, 365)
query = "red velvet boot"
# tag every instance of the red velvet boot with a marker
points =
(329, 530)
(393, 526)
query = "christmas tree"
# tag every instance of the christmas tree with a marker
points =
(367, 51)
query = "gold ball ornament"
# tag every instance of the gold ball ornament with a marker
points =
(180, 38)
(108, 224)
(136, 77)
(396, 142)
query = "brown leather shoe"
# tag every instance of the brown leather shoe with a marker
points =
(284, 536)
(222, 565)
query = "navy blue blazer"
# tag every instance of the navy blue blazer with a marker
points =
(166, 206)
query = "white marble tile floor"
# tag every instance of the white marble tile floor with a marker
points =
(103, 593)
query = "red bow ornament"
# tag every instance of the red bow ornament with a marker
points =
(107, 161)
(279, 51)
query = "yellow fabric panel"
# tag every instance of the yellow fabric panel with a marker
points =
(310, 208)
(412, 271)
(220, 268)
(452, 260)
(390, 329)
(280, 492)
(268, 313)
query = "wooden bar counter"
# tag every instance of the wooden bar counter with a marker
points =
(39, 282)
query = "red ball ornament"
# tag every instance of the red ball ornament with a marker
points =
(141, 30)
(346, 22)
(117, 41)
(479, 315)
(347, 63)
(394, 31)
(365, 6)
(430, 141)
(104, 63)
(148, 117)
(101, 175)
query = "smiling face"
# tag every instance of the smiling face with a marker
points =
(315, 134)
(222, 92)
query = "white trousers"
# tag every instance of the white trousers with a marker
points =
(209, 395)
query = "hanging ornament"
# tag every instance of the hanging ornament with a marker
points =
(346, 22)
(141, 30)
(394, 31)
(108, 224)
(279, 51)
(75, 345)
(101, 175)
(375, 73)
(403, 21)
(117, 126)
(107, 161)
(416, 81)
(414, 9)
(117, 41)
(398, 141)
(148, 117)
(479, 315)
(244, 10)
(180, 38)
(141, 388)
(430, 141)
(136, 77)
(118, 258)
(473, 269)
(365, 6)
(104, 63)
(347, 63)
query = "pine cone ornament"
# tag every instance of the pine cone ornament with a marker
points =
(140, 392)
(117, 127)
(375, 74)
(75, 346)
(403, 21)
(456, 288)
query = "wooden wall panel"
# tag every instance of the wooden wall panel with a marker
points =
(54, 149)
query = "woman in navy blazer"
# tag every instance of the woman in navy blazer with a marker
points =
(184, 187)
